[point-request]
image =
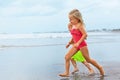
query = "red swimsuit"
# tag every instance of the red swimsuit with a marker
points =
(76, 34)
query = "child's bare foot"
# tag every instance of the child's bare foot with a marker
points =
(64, 75)
(75, 70)
(91, 72)
(102, 73)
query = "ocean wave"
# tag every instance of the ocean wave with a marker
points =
(35, 45)
(41, 35)
(52, 39)
(52, 35)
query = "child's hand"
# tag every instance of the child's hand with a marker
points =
(67, 45)
(76, 45)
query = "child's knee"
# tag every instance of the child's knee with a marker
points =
(67, 58)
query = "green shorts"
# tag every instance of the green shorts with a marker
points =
(78, 57)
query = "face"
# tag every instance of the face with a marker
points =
(73, 20)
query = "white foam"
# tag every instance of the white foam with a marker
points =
(40, 35)
(50, 35)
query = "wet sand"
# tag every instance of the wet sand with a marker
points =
(28, 63)
(112, 72)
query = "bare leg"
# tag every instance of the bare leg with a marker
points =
(91, 71)
(85, 53)
(74, 65)
(68, 56)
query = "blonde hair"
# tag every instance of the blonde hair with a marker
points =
(75, 13)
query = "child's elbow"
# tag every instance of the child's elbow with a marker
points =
(85, 36)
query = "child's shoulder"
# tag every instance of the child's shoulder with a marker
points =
(80, 25)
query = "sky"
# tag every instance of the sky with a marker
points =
(31, 16)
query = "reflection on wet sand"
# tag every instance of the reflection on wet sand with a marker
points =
(79, 76)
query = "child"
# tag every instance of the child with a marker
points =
(77, 30)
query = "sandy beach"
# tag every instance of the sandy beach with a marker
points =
(43, 58)
(111, 68)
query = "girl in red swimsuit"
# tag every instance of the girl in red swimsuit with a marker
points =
(76, 28)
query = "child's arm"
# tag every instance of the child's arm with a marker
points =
(71, 40)
(69, 26)
(69, 43)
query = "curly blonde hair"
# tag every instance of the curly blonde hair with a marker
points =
(76, 13)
